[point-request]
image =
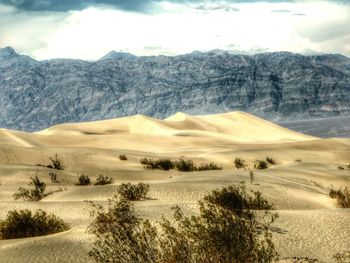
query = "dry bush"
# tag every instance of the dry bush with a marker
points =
(208, 166)
(342, 196)
(24, 223)
(260, 164)
(133, 192)
(343, 257)
(54, 178)
(270, 160)
(35, 194)
(217, 235)
(83, 180)
(162, 164)
(239, 163)
(185, 165)
(103, 180)
(123, 157)
(56, 163)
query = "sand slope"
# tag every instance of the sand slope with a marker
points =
(298, 185)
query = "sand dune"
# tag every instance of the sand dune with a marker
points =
(297, 185)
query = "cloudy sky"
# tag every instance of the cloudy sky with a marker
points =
(88, 29)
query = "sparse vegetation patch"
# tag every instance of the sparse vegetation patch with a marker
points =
(226, 230)
(270, 160)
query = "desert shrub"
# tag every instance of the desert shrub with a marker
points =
(298, 160)
(123, 157)
(239, 163)
(24, 223)
(208, 166)
(238, 200)
(53, 177)
(185, 165)
(216, 235)
(35, 194)
(133, 192)
(56, 163)
(342, 196)
(83, 180)
(343, 257)
(102, 180)
(163, 164)
(341, 168)
(260, 164)
(270, 160)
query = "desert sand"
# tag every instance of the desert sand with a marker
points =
(309, 225)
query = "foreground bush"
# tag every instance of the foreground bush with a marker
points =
(133, 192)
(83, 180)
(103, 180)
(343, 257)
(24, 223)
(342, 196)
(217, 235)
(35, 194)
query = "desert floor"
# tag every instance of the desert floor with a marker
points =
(309, 223)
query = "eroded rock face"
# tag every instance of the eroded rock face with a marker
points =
(277, 86)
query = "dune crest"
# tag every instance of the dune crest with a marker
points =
(234, 126)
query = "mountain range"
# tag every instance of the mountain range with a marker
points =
(280, 86)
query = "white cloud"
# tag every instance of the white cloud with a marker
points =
(180, 28)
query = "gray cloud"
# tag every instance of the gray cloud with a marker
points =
(127, 5)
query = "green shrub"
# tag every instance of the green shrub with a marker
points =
(35, 194)
(343, 257)
(216, 235)
(208, 166)
(24, 223)
(123, 157)
(103, 180)
(342, 196)
(185, 165)
(260, 164)
(239, 163)
(83, 180)
(53, 178)
(133, 192)
(270, 160)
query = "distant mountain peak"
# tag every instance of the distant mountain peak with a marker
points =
(7, 52)
(115, 55)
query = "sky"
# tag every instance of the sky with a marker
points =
(89, 29)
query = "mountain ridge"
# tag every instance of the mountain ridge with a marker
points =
(278, 86)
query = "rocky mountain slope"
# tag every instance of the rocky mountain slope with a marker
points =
(278, 86)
